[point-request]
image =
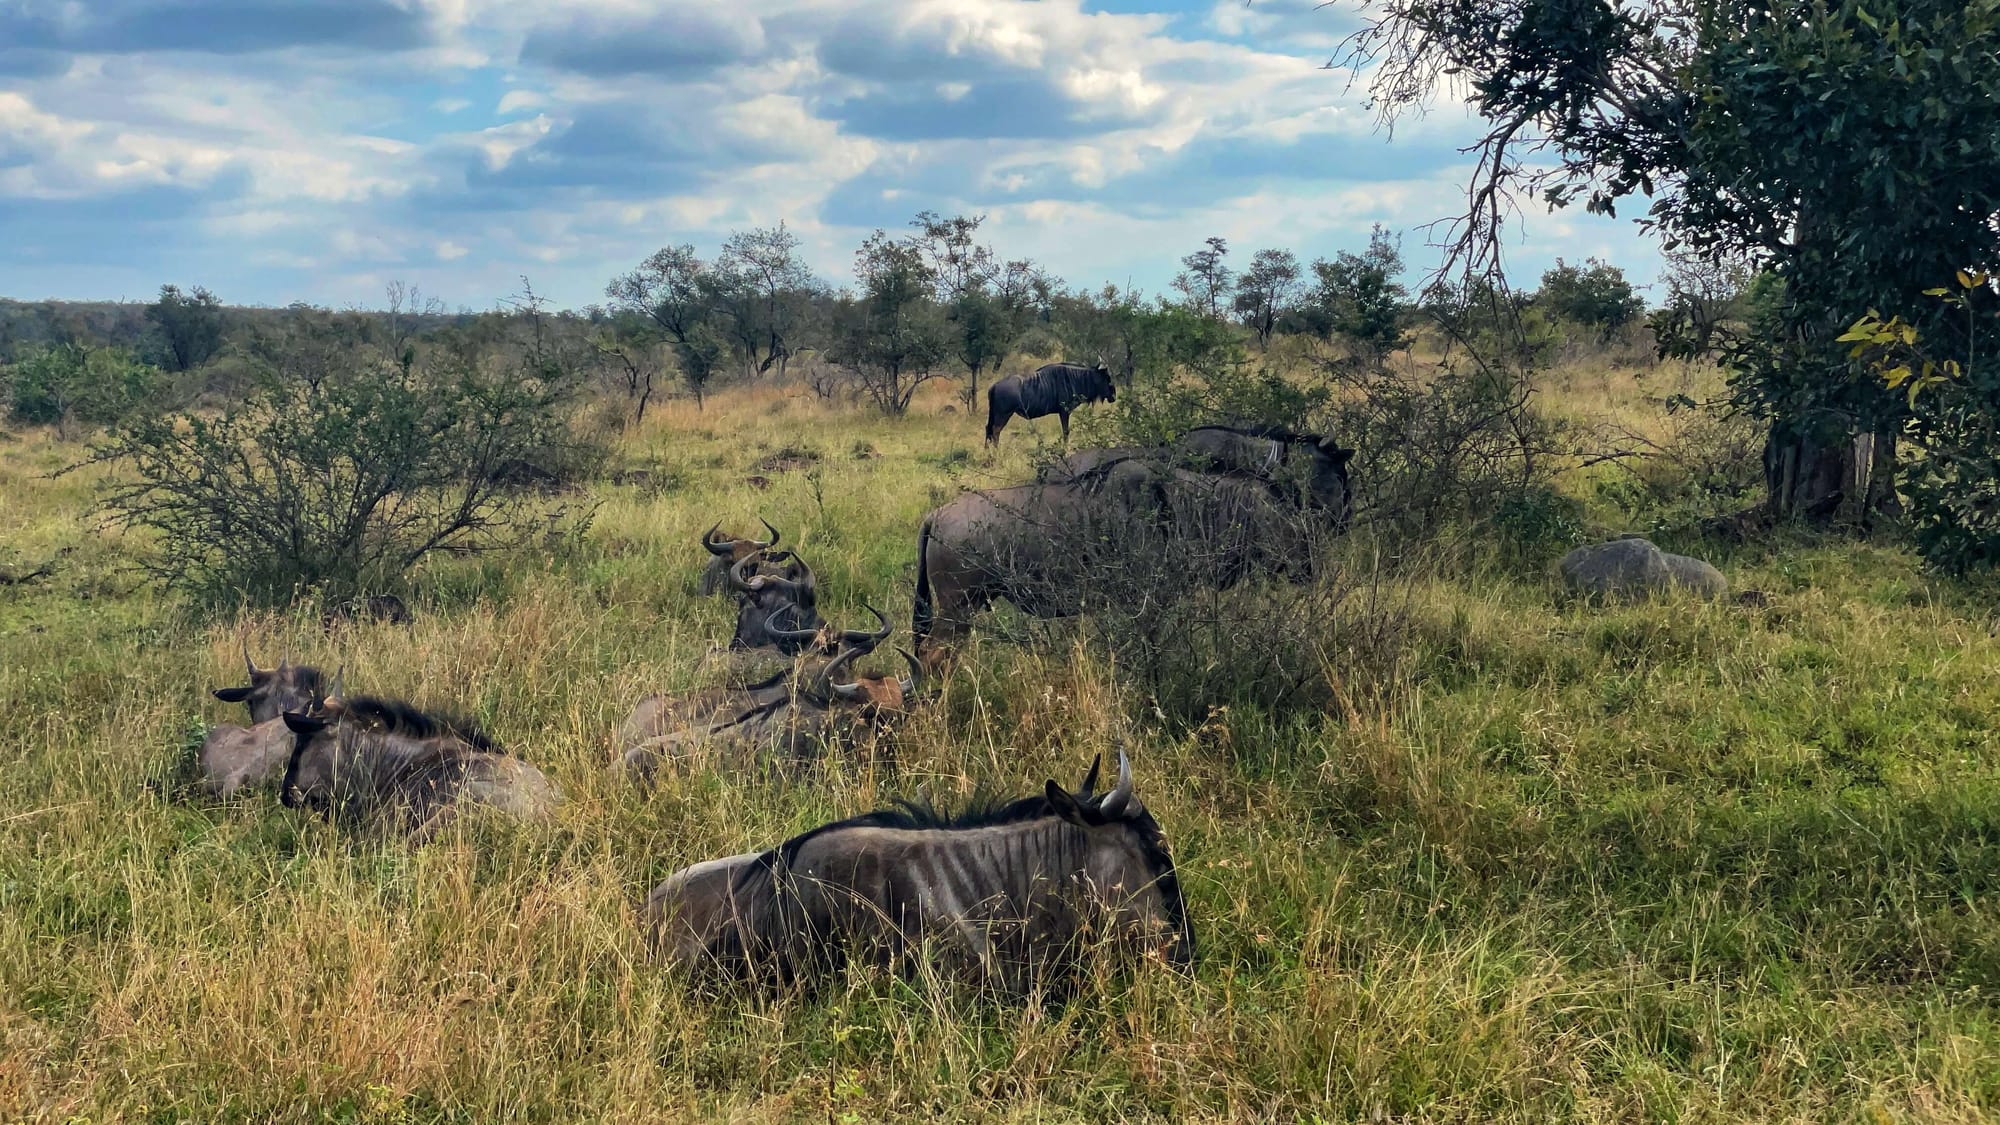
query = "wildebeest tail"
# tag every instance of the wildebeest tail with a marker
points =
(920, 607)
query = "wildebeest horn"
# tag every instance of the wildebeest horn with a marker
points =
(736, 579)
(249, 664)
(824, 683)
(915, 679)
(790, 634)
(1090, 779)
(775, 535)
(715, 546)
(339, 674)
(863, 636)
(1116, 801)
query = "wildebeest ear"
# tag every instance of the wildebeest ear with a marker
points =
(1341, 456)
(303, 724)
(1066, 806)
(232, 694)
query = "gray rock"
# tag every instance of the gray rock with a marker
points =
(1632, 569)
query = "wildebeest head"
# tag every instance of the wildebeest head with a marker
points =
(1127, 864)
(876, 695)
(274, 691)
(1328, 487)
(826, 640)
(1101, 386)
(786, 600)
(736, 549)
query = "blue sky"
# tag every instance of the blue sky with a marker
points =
(282, 150)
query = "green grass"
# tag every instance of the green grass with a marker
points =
(1676, 861)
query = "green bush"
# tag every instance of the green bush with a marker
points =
(71, 383)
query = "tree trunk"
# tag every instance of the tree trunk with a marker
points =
(1817, 476)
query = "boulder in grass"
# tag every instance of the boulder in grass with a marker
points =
(1633, 569)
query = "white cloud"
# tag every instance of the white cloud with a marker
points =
(514, 100)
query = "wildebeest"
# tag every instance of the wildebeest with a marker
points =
(727, 551)
(661, 713)
(1054, 388)
(789, 721)
(274, 691)
(382, 760)
(1044, 545)
(374, 607)
(1012, 895)
(773, 609)
(232, 756)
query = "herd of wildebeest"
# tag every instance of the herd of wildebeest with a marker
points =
(1007, 894)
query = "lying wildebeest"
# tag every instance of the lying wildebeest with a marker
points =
(1013, 896)
(1045, 545)
(382, 760)
(727, 552)
(774, 609)
(791, 722)
(1054, 388)
(374, 607)
(233, 756)
(661, 714)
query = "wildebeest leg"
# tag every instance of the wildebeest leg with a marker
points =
(1064, 415)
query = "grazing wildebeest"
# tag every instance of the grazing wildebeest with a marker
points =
(1012, 895)
(1054, 388)
(727, 552)
(382, 760)
(234, 756)
(791, 723)
(661, 714)
(773, 609)
(1037, 544)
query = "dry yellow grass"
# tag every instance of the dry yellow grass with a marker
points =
(1675, 861)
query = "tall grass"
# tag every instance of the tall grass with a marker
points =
(1674, 861)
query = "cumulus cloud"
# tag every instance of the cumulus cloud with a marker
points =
(289, 149)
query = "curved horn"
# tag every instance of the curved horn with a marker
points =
(1090, 779)
(824, 684)
(339, 674)
(915, 679)
(864, 637)
(249, 664)
(737, 583)
(1116, 802)
(790, 634)
(719, 547)
(775, 535)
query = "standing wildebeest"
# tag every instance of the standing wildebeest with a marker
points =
(1054, 388)
(369, 759)
(1011, 896)
(234, 756)
(728, 551)
(1042, 545)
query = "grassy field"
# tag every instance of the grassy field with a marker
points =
(1679, 861)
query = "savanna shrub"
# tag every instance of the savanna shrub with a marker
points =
(71, 383)
(340, 484)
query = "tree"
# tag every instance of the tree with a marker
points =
(1358, 297)
(767, 283)
(1761, 133)
(70, 383)
(1265, 291)
(672, 288)
(1204, 278)
(1703, 295)
(986, 301)
(628, 352)
(1593, 295)
(187, 327)
(893, 334)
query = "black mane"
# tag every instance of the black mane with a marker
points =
(983, 811)
(397, 716)
(308, 678)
